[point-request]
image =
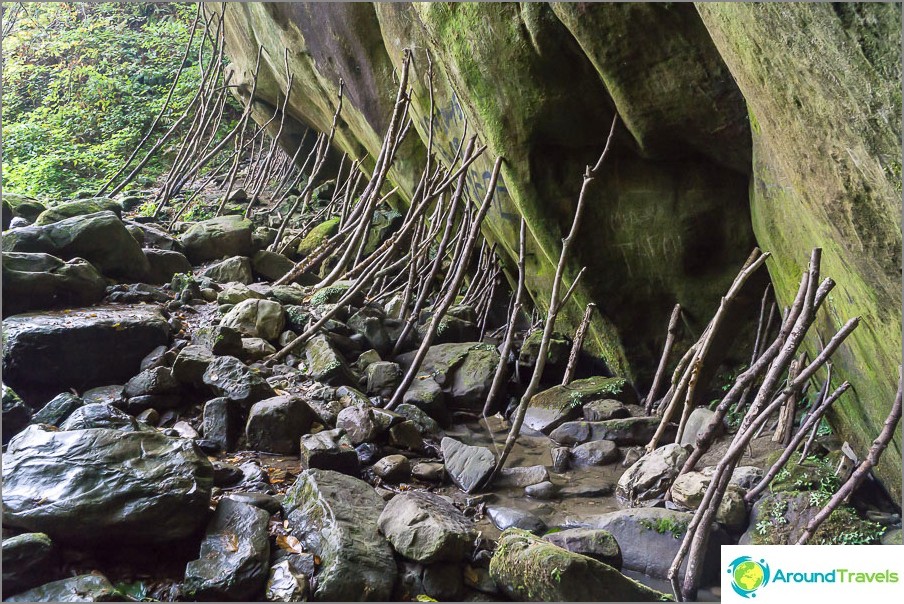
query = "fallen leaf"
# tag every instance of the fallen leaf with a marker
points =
(289, 543)
(232, 543)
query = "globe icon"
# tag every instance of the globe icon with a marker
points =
(749, 575)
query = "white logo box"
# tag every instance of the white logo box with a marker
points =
(788, 573)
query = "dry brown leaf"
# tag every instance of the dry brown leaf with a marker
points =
(289, 543)
(232, 543)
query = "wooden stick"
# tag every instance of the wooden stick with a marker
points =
(578, 343)
(664, 359)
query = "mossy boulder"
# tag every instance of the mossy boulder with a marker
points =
(317, 236)
(78, 208)
(529, 568)
(551, 408)
(22, 206)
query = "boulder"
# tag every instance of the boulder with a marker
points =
(82, 588)
(85, 348)
(467, 466)
(556, 354)
(551, 408)
(368, 323)
(605, 409)
(425, 424)
(191, 363)
(158, 380)
(623, 432)
(221, 340)
(218, 237)
(529, 568)
(27, 561)
(687, 493)
(464, 372)
(22, 206)
(57, 409)
(359, 424)
(425, 527)
(406, 435)
(595, 543)
(522, 476)
(329, 450)
(650, 538)
(317, 236)
(336, 517)
(256, 349)
(645, 483)
(230, 378)
(100, 415)
(101, 485)
(232, 270)
(164, 264)
(222, 423)
(99, 238)
(744, 477)
(325, 364)
(16, 414)
(393, 468)
(382, 378)
(256, 318)
(110, 395)
(42, 281)
(270, 266)
(425, 394)
(80, 207)
(155, 237)
(594, 453)
(275, 425)
(504, 517)
(286, 583)
(235, 555)
(697, 421)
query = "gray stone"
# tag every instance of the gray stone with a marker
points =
(595, 543)
(57, 410)
(605, 409)
(429, 471)
(561, 457)
(406, 435)
(504, 517)
(329, 450)
(522, 563)
(232, 270)
(100, 415)
(697, 421)
(270, 265)
(744, 477)
(234, 557)
(285, 584)
(542, 490)
(425, 394)
(164, 264)
(468, 466)
(382, 378)
(359, 424)
(425, 424)
(369, 325)
(393, 468)
(16, 414)
(109, 395)
(82, 588)
(268, 503)
(551, 408)
(158, 380)
(325, 364)
(160, 402)
(688, 490)
(230, 378)
(218, 237)
(256, 319)
(106, 485)
(233, 293)
(42, 281)
(221, 340)
(222, 423)
(623, 432)
(472, 380)
(256, 349)
(86, 348)
(594, 453)
(336, 517)
(275, 425)
(645, 483)
(521, 476)
(27, 561)
(191, 363)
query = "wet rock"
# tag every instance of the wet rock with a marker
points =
(285, 584)
(136, 293)
(268, 503)
(275, 425)
(645, 483)
(393, 468)
(452, 329)
(359, 424)
(368, 323)
(222, 423)
(472, 380)
(429, 471)
(605, 409)
(561, 457)
(468, 466)
(185, 430)
(226, 474)
(27, 561)
(256, 349)
(382, 378)
(594, 453)
(368, 453)
(336, 517)
(107, 485)
(595, 543)
(232, 379)
(329, 450)
(109, 395)
(232, 270)
(218, 237)
(139, 404)
(270, 265)
(100, 415)
(697, 421)
(235, 554)
(191, 363)
(82, 588)
(521, 476)
(687, 493)
(506, 517)
(428, 396)
(164, 264)
(521, 568)
(542, 490)
(157, 358)
(595, 490)
(464, 372)
(57, 410)
(551, 408)
(99, 238)
(42, 281)
(158, 380)
(325, 364)
(426, 425)
(623, 432)
(406, 435)
(651, 537)
(86, 348)
(256, 319)
(221, 340)
(16, 414)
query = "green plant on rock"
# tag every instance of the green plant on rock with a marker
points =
(665, 526)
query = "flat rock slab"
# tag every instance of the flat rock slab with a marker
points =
(551, 408)
(101, 484)
(83, 588)
(505, 517)
(426, 528)
(467, 466)
(336, 516)
(523, 567)
(623, 432)
(48, 353)
(595, 543)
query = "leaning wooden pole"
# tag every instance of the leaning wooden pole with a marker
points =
(671, 333)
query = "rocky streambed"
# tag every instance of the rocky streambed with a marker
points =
(150, 453)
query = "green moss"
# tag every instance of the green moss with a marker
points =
(317, 236)
(666, 526)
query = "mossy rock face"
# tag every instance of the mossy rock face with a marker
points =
(823, 86)
(78, 208)
(529, 568)
(317, 236)
(23, 206)
(811, 474)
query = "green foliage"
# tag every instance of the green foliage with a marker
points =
(82, 83)
(666, 525)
